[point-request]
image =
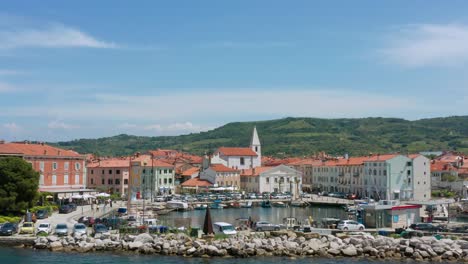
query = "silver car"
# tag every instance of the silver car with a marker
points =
(61, 230)
(265, 226)
(80, 229)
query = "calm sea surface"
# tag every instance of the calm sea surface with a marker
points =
(27, 256)
(274, 215)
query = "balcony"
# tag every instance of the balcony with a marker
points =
(356, 174)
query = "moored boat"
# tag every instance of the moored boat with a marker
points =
(177, 205)
(246, 204)
(266, 204)
(279, 204)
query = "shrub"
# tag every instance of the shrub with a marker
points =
(11, 219)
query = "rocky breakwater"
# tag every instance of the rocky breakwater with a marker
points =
(280, 243)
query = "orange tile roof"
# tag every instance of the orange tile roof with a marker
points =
(110, 163)
(196, 182)
(237, 151)
(30, 149)
(255, 171)
(190, 171)
(383, 157)
(221, 168)
(312, 162)
(442, 166)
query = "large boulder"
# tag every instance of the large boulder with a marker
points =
(349, 251)
(134, 245)
(143, 238)
(83, 246)
(52, 238)
(56, 245)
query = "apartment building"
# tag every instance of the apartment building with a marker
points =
(109, 175)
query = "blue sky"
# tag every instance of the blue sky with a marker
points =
(89, 69)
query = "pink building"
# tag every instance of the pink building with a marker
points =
(109, 175)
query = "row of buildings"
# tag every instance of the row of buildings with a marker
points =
(145, 175)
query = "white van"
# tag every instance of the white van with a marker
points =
(224, 228)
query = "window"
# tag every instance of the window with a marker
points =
(267, 180)
(41, 166)
(77, 179)
(109, 181)
(110, 171)
(242, 161)
(384, 172)
(256, 149)
(103, 171)
(408, 163)
(41, 180)
(103, 182)
(144, 170)
(165, 181)
(54, 179)
(170, 181)
(92, 181)
(117, 181)
(170, 171)
(125, 181)
(65, 179)
(408, 172)
(375, 172)
(117, 172)
(276, 180)
(165, 171)
(92, 171)
(77, 166)
(65, 166)
(54, 166)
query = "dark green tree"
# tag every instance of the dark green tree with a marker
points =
(18, 185)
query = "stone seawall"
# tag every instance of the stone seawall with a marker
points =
(281, 243)
(14, 241)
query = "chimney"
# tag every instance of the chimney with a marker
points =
(58, 153)
(45, 151)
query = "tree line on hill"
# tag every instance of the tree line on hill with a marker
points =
(300, 137)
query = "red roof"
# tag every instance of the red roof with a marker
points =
(383, 157)
(441, 166)
(237, 151)
(221, 168)
(255, 171)
(196, 182)
(110, 163)
(30, 149)
(190, 171)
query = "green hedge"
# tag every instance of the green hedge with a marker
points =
(11, 219)
(49, 208)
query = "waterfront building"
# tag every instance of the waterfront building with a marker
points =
(381, 177)
(151, 177)
(240, 158)
(272, 179)
(390, 214)
(109, 175)
(306, 167)
(221, 176)
(59, 170)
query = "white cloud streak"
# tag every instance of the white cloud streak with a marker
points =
(428, 44)
(52, 36)
(11, 127)
(7, 88)
(6, 72)
(60, 125)
(185, 127)
(224, 105)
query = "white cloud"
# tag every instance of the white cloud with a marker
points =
(12, 127)
(60, 125)
(127, 126)
(235, 104)
(5, 88)
(177, 128)
(51, 36)
(428, 44)
(4, 72)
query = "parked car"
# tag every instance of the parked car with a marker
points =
(73, 206)
(27, 228)
(224, 228)
(80, 229)
(265, 226)
(350, 225)
(8, 229)
(44, 228)
(100, 229)
(65, 209)
(427, 227)
(61, 230)
(42, 214)
(337, 195)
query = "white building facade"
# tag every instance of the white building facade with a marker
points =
(272, 179)
(240, 158)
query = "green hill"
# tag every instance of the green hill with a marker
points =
(301, 136)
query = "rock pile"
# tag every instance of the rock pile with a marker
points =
(277, 243)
